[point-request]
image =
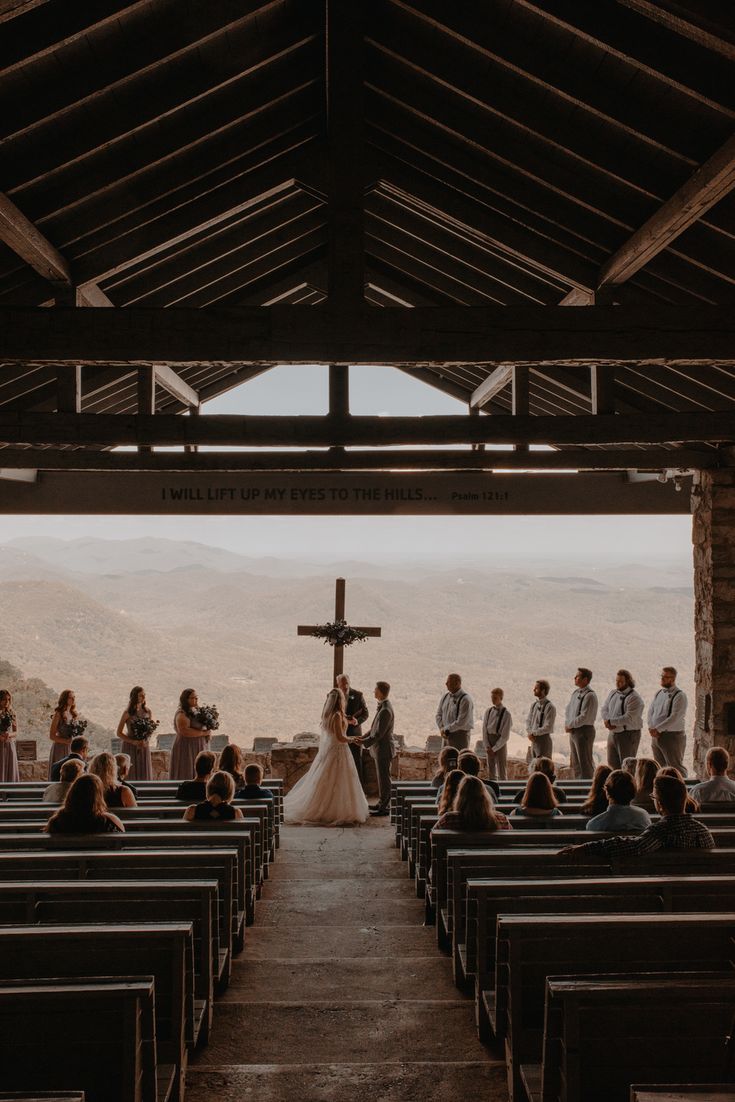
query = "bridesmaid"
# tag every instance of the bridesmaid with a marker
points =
(61, 727)
(191, 737)
(141, 767)
(8, 730)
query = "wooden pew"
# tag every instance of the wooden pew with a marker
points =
(664, 1028)
(165, 836)
(98, 1035)
(488, 899)
(681, 1092)
(530, 948)
(129, 902)
(149, 865)
(44, 1096)
(161, 950)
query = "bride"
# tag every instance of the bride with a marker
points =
(330, 794)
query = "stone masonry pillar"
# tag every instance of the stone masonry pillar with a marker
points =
(713, 536)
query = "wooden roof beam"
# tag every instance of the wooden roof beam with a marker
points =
(10, 9)
(688, 23)
(172, 382)
(496, 381)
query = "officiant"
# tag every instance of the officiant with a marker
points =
(356, 712)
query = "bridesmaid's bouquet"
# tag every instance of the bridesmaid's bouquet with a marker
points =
(142, 727)
(208, 716)
(6, 722)
(77, 727)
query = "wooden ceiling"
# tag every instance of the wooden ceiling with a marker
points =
(180, 153)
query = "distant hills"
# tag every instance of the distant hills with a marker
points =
(102, 615)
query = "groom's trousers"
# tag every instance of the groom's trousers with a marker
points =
(382, 768)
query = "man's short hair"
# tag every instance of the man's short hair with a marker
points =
(544, 685)
(383, 687)
(718, 759)
(545, 766)
(78, 744)
(124, 761)
(253, 773)
(671, 794)
(629, 765)
(70, 770)
(620, 786)
(469, 763)
(343, 677)
(497, 692)
(204, 763)
(669, 669)
(584, 672)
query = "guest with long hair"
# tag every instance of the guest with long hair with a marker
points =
(115, 794)
(447, 762)
(691, 806)
(84, 810)
(141, 767)
(62, 729)
(538, 801)
(230, 761)
(8, 731)
(191, 737)
(218, 805)
(449, 791)
(596, 801)
(473, 810)
(645, 774)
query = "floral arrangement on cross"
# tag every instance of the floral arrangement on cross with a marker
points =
(338, 633)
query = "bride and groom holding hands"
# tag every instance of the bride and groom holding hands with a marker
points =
(331, 793)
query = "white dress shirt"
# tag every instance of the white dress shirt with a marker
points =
(623, 709)
(667, 711)
(456, 712)
(541, 717)
(496, 728)
(581, 710)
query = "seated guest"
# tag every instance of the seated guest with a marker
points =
(469, 763)
(84, 810)
(596, 801)
(449, 791)
(719, 788)
(629, 765)
(57, 790)
(218, 805)
(253, 789)
(447, 762)
(124, 762)
(545, 766)
(472, 809)
(620, 790)
(674, 830)
(691, 805)
(78, 751)
(204, 764)
(230, 761)
(538, 801)
(645, 774)
(104, 766)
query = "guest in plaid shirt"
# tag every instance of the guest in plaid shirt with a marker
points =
(674, 830)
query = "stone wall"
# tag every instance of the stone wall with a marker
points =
(713, 537)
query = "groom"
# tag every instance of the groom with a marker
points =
(382, 747)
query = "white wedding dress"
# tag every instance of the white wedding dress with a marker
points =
(330, 794)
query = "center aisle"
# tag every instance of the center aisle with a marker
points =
(340, 994)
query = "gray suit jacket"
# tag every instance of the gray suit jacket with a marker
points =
(380, 738)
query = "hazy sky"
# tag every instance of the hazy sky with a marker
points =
(376, 391)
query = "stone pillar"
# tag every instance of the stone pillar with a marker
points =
(713, 536)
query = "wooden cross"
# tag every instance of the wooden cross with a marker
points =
(339, 614)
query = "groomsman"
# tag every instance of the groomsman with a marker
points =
(455, 716)
(356, 712)
(666, 715)
(495, 734)
(580, 716)
(622, 713)
(382, 746)
(540, 722)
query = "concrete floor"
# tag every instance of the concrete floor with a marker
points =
(341, 994)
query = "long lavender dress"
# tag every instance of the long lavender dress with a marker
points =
(185, 750)
(60, 750)
(8, 760)
(141, 766)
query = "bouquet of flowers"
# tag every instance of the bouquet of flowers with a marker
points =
(6, 722)
(338, 633)
(208, 716)
(142, 727)
(77, 727)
